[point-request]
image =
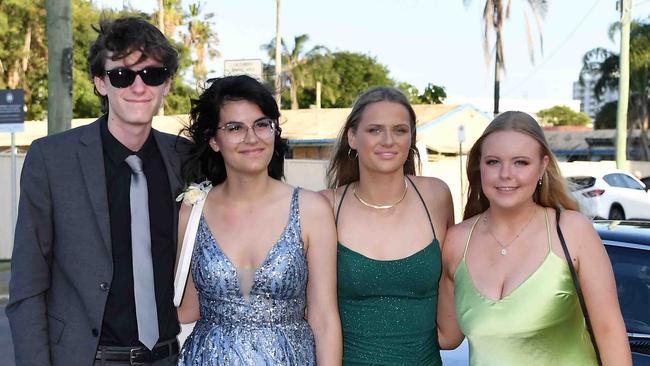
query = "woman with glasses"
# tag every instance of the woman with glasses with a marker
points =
(264, 255)
(390, 226)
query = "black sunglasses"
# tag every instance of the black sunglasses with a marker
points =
(122, 77)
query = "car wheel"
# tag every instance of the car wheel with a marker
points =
(616, 213)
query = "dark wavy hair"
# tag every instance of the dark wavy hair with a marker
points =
(343, 169)
(205, 163)
(552, 192)
(121, 37)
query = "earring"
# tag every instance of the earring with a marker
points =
(356, 154)
(539, 181)
(415, 152)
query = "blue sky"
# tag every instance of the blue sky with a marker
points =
(422, 41)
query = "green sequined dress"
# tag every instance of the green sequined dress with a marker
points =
(388, 307)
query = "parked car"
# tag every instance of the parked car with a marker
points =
(646, 181)
(628, 246)
(613, 195)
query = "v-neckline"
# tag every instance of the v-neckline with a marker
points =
(232, 266)
(514, 290)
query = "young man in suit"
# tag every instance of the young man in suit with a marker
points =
(95, 244)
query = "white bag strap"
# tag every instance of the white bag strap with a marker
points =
(183, 268)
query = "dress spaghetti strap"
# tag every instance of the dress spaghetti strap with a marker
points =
(425, 206)
(338, 209)
(470, 235)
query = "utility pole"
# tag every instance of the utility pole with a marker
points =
(278, 55)
(59, 65)
(623, 86)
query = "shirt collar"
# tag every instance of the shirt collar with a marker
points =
(117, 152)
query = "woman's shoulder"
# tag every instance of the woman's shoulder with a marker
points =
(311, 201)
(430, 183)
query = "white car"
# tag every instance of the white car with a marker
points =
(614, 195)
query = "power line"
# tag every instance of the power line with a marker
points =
(562, 44)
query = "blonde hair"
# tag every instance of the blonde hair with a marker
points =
(552, 192)
(344, 165)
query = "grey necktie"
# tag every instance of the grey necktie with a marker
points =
(143, 281)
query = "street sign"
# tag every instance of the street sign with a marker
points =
(461, 134)
(252, 67)
(12, 114)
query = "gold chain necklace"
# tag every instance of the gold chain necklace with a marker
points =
(504, 247)
(381, 207)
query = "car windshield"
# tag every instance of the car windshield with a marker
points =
(632, 271)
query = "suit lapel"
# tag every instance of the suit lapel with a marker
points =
(172, 161)
(91, 160)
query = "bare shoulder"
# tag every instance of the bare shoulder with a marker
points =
(328, 194)
(433, 185)
(578, 230)
(455, 241)
(574, 222)
(315, 203)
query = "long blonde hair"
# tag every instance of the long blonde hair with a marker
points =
(344, 165)
(553, 191)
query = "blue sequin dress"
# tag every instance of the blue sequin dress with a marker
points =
(269, 327)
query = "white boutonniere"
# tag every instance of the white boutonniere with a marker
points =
(194, 193)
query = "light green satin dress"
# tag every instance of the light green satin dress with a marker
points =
(538, 323)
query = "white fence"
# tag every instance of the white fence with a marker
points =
(310, 174)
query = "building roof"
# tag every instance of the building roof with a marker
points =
(437, 126)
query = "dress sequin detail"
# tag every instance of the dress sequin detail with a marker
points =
(267, 329)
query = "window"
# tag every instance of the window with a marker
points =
(632, 272)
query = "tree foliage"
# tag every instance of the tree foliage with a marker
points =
(561, 115)
(293, 63)
(495, 12)
(603, 65)
(23, 51)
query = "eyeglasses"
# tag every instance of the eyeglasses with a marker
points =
(235, 132)
(122, 77)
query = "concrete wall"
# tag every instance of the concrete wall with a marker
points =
(310, 174)
(6, 224)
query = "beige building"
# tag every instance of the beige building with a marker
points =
(312, 132)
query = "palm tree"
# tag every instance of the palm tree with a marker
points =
(603, 65)
(201, 38)
(293, 62)
(494, 14)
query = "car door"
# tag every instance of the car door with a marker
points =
(621, 193)
(639, 198)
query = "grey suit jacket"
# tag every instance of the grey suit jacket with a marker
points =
(61, 263)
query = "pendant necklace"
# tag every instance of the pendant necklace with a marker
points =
(380, 207)
(504, 247)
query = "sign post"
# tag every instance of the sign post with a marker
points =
(12, 119)
(461, 139)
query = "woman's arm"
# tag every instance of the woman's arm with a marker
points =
(188, 310)
(319, 234)
(449, 334)
(598, 288)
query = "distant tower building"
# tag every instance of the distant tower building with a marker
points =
(585, 93)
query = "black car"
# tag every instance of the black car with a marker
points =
(628, 246)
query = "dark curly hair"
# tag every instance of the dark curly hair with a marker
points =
(123, 36)
(205, 163)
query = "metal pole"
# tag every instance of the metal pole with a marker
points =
(278, 53)
(59, 65)
(14, 196)
(460, 165)
(623, 87)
